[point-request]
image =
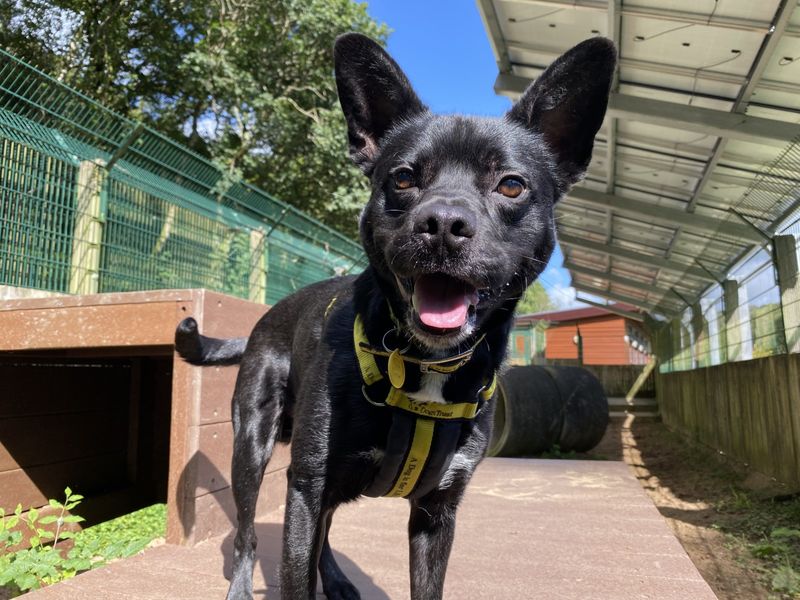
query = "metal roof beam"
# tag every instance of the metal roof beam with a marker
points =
(613, 33)
(634, 257)
(765, 53)
(651, 163)
(612, 308)
(612, 296)
(661, 214)
(659, 13)
(653, 144)
(672, 114)
(491, 24)
(702, 120)
(644, 65)
(613, 278)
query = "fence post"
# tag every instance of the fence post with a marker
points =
(84, 269)
(258, 266)
(700, 331)
(733, 320)
(785, 247)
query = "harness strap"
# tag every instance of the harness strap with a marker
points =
(423, 436)
(431, 410)
(370, 372)
(416, 458)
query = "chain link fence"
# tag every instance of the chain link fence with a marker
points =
(93, 202)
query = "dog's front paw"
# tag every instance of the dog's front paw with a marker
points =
(341, 589)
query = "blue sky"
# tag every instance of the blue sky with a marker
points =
(443, 48)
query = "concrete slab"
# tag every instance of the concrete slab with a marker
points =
(539, 529)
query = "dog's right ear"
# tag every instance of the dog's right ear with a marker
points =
(374, 93)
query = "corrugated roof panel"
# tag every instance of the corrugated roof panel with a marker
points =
(680, 78)
(554, 27)
(760, 11)
(780, 104)
(783, 66)
(689, 45)
(676, 97)
(716, 56)
(638, 246)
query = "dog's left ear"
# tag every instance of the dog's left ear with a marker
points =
(374, 93)
(567, 103)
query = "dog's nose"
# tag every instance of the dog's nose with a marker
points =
(453, 225)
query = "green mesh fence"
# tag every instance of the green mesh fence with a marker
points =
(750, 327)
(755, 312)
(93, 202)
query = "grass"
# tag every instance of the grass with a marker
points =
(49, 557)
(768, 530)
(124, 536)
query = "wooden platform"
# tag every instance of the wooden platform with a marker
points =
(534, 529)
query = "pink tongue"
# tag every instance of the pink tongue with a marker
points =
(442, 302)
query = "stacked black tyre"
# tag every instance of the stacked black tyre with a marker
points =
(539, 408)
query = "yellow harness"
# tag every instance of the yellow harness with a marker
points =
(423, 436)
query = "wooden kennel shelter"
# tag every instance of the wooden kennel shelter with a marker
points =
(94, 397)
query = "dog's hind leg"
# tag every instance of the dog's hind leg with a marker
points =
(335, 583)
(256, 407)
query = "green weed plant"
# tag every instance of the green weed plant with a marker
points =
(46, 559)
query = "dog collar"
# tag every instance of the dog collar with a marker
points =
(397, 359)
(423, 435)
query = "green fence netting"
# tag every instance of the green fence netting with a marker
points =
(93, 202)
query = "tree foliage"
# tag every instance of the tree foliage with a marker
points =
(535, 300)
(246, 83)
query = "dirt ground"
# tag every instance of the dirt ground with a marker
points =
(722, 514)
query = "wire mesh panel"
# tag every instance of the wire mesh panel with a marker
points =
(751, 327)
(791, 300)
(94, 202)
(36, 217)
(712, 350)
(152, 243)
(759, 299)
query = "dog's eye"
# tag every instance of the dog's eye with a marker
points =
(403, 179)
(511, 187)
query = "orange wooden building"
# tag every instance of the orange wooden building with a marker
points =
(593, 336)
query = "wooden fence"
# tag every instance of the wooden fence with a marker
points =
(749, 410)
(617, 380)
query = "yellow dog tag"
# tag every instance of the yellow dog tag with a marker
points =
(397, 370)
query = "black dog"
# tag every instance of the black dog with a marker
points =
(384, 380)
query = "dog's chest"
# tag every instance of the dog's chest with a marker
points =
(430, 388)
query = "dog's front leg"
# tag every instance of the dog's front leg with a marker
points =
(431, 527)
(303, 534)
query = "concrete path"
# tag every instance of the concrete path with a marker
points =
(531, 529)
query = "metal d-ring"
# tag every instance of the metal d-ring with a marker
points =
(370, 400)
(385, 347)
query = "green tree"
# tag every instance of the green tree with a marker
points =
(267, 102)
(125, 54)
(248, 84)
(535, 299)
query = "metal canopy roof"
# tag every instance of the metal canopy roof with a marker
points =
(691, 160)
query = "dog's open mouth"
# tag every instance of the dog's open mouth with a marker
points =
(443, 304)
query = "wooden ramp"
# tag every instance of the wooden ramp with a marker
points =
(540, 529)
